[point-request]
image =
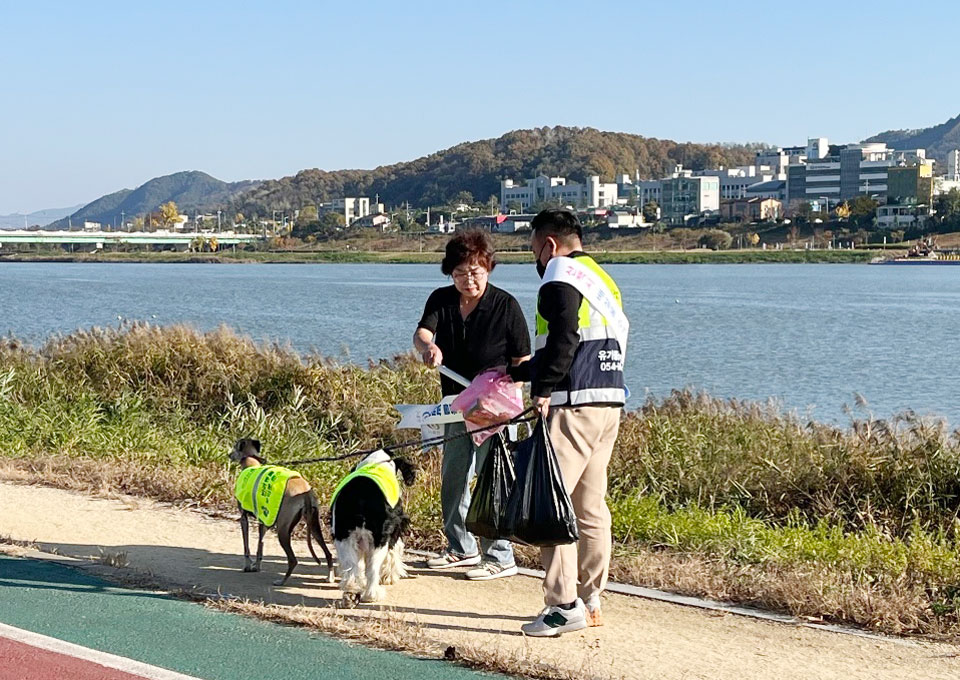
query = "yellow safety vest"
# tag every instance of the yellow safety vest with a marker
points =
(596, 374)
(260, 490)
(383, 475)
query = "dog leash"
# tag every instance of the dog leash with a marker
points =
(425, 443)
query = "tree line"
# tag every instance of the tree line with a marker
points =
(475, 169)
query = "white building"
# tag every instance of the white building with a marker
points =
(774, 188)
(817, 148)
(592, 194)
(442, 227)
(626, 219)
(377, 220)
(642, 190)
(942, 185)
(687, 198)
(779, 158)
(510, 224)
(352, 208)
(890, 216)
(734, 182)
(649, 190)
(953, 166)
(775, 159)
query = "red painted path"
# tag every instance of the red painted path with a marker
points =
(25, 655)
(26, 662)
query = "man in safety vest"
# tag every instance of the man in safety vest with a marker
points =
(576, 379)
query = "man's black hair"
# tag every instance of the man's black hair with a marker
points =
(557, 222)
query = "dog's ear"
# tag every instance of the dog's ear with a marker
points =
(406, 470)
(237, 452)
(246, 448)
(253, 450)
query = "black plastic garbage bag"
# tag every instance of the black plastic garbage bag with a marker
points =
(539, 510)
(494, 483)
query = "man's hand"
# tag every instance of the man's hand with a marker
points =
(542, 405)
(432, 356)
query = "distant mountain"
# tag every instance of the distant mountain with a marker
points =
(474, 167)
(190, 190)
(478, 167)
(937, 140)
(17, 220)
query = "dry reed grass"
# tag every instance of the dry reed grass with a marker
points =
(721, 498)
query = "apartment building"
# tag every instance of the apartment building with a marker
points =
(591, 194)
(854, 170)
(686, 197)
(352, 208)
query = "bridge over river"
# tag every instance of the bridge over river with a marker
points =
(100, 239)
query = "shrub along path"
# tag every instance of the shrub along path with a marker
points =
(641, 639)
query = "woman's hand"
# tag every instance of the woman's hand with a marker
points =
(432, 356)
(542, 406)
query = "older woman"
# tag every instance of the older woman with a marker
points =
(469, 327)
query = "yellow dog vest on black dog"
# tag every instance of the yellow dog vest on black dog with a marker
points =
(385, 478)
(260, 490)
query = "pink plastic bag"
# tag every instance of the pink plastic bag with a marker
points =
(491, 398)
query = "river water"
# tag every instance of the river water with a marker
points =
(809, 336)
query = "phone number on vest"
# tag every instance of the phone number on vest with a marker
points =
(610, 360)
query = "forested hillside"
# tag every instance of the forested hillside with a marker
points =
(478, 167)
(938, 140)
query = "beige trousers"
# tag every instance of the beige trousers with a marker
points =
(583, 439)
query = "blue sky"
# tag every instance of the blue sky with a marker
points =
(99, 96)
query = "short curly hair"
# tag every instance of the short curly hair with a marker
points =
(471, 246)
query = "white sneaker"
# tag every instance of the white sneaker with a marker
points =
(488, 571)
(448, 560)
(554, 621)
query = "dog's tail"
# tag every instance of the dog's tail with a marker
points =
(314, 530)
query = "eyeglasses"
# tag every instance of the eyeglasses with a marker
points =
(476, 273)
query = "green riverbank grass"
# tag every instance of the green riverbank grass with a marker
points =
(724, 499)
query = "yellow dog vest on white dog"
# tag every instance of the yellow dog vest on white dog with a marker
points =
(260, 490)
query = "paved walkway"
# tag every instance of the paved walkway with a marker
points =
(639, 638)
(70, 605)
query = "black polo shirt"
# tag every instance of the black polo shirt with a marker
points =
(492, 335)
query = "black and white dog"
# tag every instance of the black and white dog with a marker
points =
(368, 524)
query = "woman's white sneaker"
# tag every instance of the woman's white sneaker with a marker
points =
(448, 560)
(488, 571)
(554, 621)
